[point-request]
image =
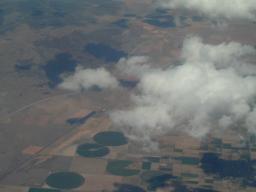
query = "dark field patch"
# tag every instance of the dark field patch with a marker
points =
(62, 63)
(43, 190)
(123, 23)
(153, 159)
(183, 21)
(159, 181)
(161, 18)
(65, 180)
(58, 13)
(43, 13)
(119, 168)
(244, 170)
(188, 160)
(128, 83)
(212, 164)
(127, 188)
(197, 18)
(2, 15)
(81, 120)
(92, 150)
(23, 66)
(129, 15)
(104, 52)
(147, 175)
(161, 22)
(146, 165)
(110, 138)
(203, 190)
(179, 187)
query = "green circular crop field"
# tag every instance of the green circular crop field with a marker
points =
(110, 138)
(43, 190)
(65, 180)
(92, 150)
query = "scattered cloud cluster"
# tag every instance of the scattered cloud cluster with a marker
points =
(214, 88)
(228, 9)
(87, 78)
(134, 66)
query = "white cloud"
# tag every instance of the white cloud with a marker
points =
(134, 66)
(229, 9)
(214, 88)
(221, 56)
(87, 78)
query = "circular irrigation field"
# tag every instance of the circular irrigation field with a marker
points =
(92, 150)
(65, 180)
(110, 138)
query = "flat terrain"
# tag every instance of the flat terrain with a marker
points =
(38, 38)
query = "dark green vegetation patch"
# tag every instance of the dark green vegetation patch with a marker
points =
(65, 180)
(104, 52)
(190, 175)
(128, 83)
(147, 175)
(1, 17)
(244, 170)
(161, 18)
(62, 63)
(153, 159)
(80, 120)
(157, 180)
(188, 160)
(203, 190)
(123, 23)
(23, 66)
(110, 138)
(43, 190)
(119, 167)
(92, 150)
(127, 188)
(57, 13)
(146, 165)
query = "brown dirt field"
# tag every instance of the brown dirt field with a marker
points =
(31, 150)
(89, 165)
(92, 127)
(13, 189)
(96, 183)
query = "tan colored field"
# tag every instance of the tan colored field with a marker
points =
(13, 189)
(89, 165)
(96, 183)
(32, 150)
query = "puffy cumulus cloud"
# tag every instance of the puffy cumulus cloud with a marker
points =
(221, 56)
(134, 66)
(214, 88)
(244, 9)
(87, 78)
